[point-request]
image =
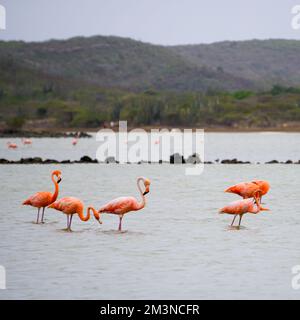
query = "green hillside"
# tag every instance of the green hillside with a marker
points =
(265, 62)
(119, 62)
(88, 82)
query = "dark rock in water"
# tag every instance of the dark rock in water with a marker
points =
(31, 160)
(272, 161)
(110, 160)
(49, 161)
(208, 162)
(37, 160)
(87, 159)
(234, 161)
(193, 159)
(177, 159)
(289, 162)
(228, 161)
(4, 161)
(66, 161)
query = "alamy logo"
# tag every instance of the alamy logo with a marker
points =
(2, 278)
(158, 145)
(2, 18)
(296, 278)
(296, 17)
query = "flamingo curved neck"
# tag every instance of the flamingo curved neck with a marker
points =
(82, 217)
(143, 202)
(96, 213)
(55, 194)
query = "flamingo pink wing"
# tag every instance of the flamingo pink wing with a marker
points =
(40, 199)
(67, 205)
(120, 205)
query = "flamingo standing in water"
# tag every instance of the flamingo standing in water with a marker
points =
(71, 206)
(44, 199)
(75, 141)
(12, 145)
(123, 205)
(254, 189)
(241, 207)
(27, 141)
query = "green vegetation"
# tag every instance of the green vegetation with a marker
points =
(27, 95)
(88, 82)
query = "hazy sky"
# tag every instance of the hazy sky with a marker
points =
(155, 21)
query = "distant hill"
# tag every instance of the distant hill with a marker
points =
(89, 82)
(120, 62)
(115, 62)
(266, 62)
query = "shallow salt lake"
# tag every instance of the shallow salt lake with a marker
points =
(178, 247)
(252, 146)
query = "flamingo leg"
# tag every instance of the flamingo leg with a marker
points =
(43, 215)
(233, 220)
(241, 216)
(38, 216)
(70, 222)
(120, 223)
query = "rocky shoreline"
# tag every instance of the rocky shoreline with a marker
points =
(174, 159)
(9, 133)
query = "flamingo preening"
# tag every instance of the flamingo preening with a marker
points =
(254, 189)
(250, 189)
(241, 207)
(123, 205)
(44, 199)
(12, 145)
(71, 206)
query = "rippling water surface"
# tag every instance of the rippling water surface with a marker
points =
(177, 247)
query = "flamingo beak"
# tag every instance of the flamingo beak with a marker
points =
(59, 180)
(146, 190)
(97, 217)
(264, 209)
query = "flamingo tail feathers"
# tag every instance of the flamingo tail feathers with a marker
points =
(26, 202)
(232, 189)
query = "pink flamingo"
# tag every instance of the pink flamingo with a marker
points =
(123, 205)
(74, 141)
(27, 141)
(241, 207)
(254, 189)
(44, 199)
(71, 206)
(12, 145)
(249, 189)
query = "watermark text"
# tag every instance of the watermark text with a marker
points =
(2, 17)
(2, 278)
(295, 23)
